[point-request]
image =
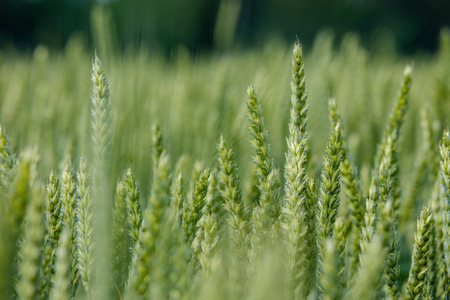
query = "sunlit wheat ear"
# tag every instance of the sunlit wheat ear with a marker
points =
(434, 260)
(84, 226)
(30, 251)
(134, 212)
(299, 108)
(69, 208)
(427, 295)
(53, 224)
(351, 187)
(192, 213)
(230, 191)
(294, 222)
(204, 244)
(237, 217)
(418, 271)
(53, 209)
(328, 203)
(266, 216)
(444, 196)
(311, 197)
(101, 122)
(370, 218)
(259, 138)
(392, 269)
(101, 112)
(387, 229)
(440, 284)
(385, 175)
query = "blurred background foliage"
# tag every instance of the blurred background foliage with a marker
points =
(203, 25)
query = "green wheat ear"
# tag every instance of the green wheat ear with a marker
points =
(230, 191)
(433, 261)
(392, 269)
(266, 214)
(134, 212)
(259, 138)
(439, 270)
(101, 112)
(121, 240)
(237, 216)
(370, 218)
(299, 95)
(53, 224)
(387, 228)
(69, 208)
(101, 137)
(192, 213)
(352, 188)
(418, 271)
(329, 191)
(299, 199)
(294, 223)
(205, 242)
(84, 226)
(444, 196)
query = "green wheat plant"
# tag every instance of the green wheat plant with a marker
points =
(174, 198)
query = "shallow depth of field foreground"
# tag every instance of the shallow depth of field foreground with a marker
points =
(257, 174)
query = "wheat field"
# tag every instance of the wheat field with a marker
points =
(269, 173)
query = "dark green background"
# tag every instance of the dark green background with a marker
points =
(414, 24)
